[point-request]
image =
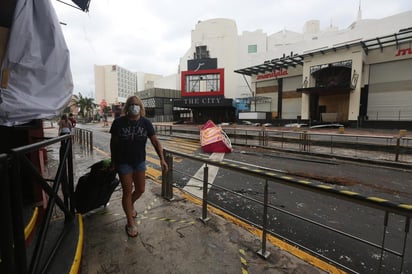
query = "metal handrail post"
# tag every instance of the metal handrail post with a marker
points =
(398, 143)
(167, 178)
(17, 213)
(234, 133)
(91, 141)
(331, 144)
(281, 145)
(263, 252)
(8, 264)
(204, 217)
(61, 179)
(65, 148)
(385, 226)
(70, 177)
(407, 226)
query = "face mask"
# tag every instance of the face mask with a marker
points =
(134, 109)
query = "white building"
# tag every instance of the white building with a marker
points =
(290, 75)
(114, 84)
(361, 73)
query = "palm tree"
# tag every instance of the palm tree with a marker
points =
(73, 103)
(85, 105)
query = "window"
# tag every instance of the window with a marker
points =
(203, 83)
(201, 52)
(252, 49)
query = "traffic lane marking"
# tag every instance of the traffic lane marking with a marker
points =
(195, 185)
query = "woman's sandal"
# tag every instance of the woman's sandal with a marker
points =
(131, 231)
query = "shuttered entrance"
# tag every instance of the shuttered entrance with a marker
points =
(390, 91)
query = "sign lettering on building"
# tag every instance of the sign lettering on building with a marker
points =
(404, 52)
(203, 101)
(202, 64)
(274, 74)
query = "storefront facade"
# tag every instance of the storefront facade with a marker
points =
(354, 83)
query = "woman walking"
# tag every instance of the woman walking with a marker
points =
(129, 135)
(65, 126)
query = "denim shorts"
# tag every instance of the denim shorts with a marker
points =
(123, 169)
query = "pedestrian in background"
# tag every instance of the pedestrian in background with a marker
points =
(65, 126)
(129, 135)
(72, 119)
(105, 122)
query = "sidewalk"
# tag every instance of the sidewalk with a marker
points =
(172, 238)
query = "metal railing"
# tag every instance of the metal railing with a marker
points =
(269, 179)
(391, 115)
(388, 148)
(13, 246)
(83, 137)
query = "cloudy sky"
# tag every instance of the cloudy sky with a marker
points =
(151, 35)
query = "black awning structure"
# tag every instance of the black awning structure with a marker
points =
(384, 41)
(272, 65)
(370, 44)
(82, 4)
(293, 61)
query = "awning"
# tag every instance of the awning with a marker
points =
(272, 65)
(384, 41)
(82, 4)
(295, 60)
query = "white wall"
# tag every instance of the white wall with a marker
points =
(168, 82)
(221, 38)
(105, 84)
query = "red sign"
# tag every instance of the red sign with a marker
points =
(404, 52)
(274, 74)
